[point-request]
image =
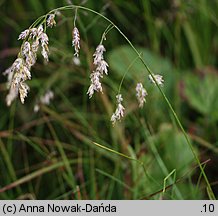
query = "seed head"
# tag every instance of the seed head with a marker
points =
(100, 68)
(98, 55)
(43, 39)
(23, 90)
(119, 112)
(95, 83)
(19, 72)
(76, 41)
(141, 93)
(45, 52)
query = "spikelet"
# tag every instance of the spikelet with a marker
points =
(23, 35)
(76, 41)
(51, 20)
(141, 93)
(159, 79)
(43, 39)
(33, 33)
(23, 90)
(119, 112)
(100, 69)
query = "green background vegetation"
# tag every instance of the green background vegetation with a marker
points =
(51, 154)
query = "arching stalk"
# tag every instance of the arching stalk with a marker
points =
(72, 7)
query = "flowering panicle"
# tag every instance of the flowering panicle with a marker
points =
(141, 93)
(99, 62)
(76, 41)
(100, 68)
(45, 99)
(19, 72)
(119, 112)
(18, 75)
(36, 39)
(159, 79)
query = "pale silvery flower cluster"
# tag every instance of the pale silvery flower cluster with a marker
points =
(141, 93)
(158, 78)
(44, 99)
(43, 38)
(100, 69)
(76, 41)
(19, 72)
(51, 20)
(13, 92)
(119, 112)
(23, 35)
(35, 38)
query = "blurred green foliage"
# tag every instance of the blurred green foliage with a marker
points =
(201, 93)
(51, 155)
